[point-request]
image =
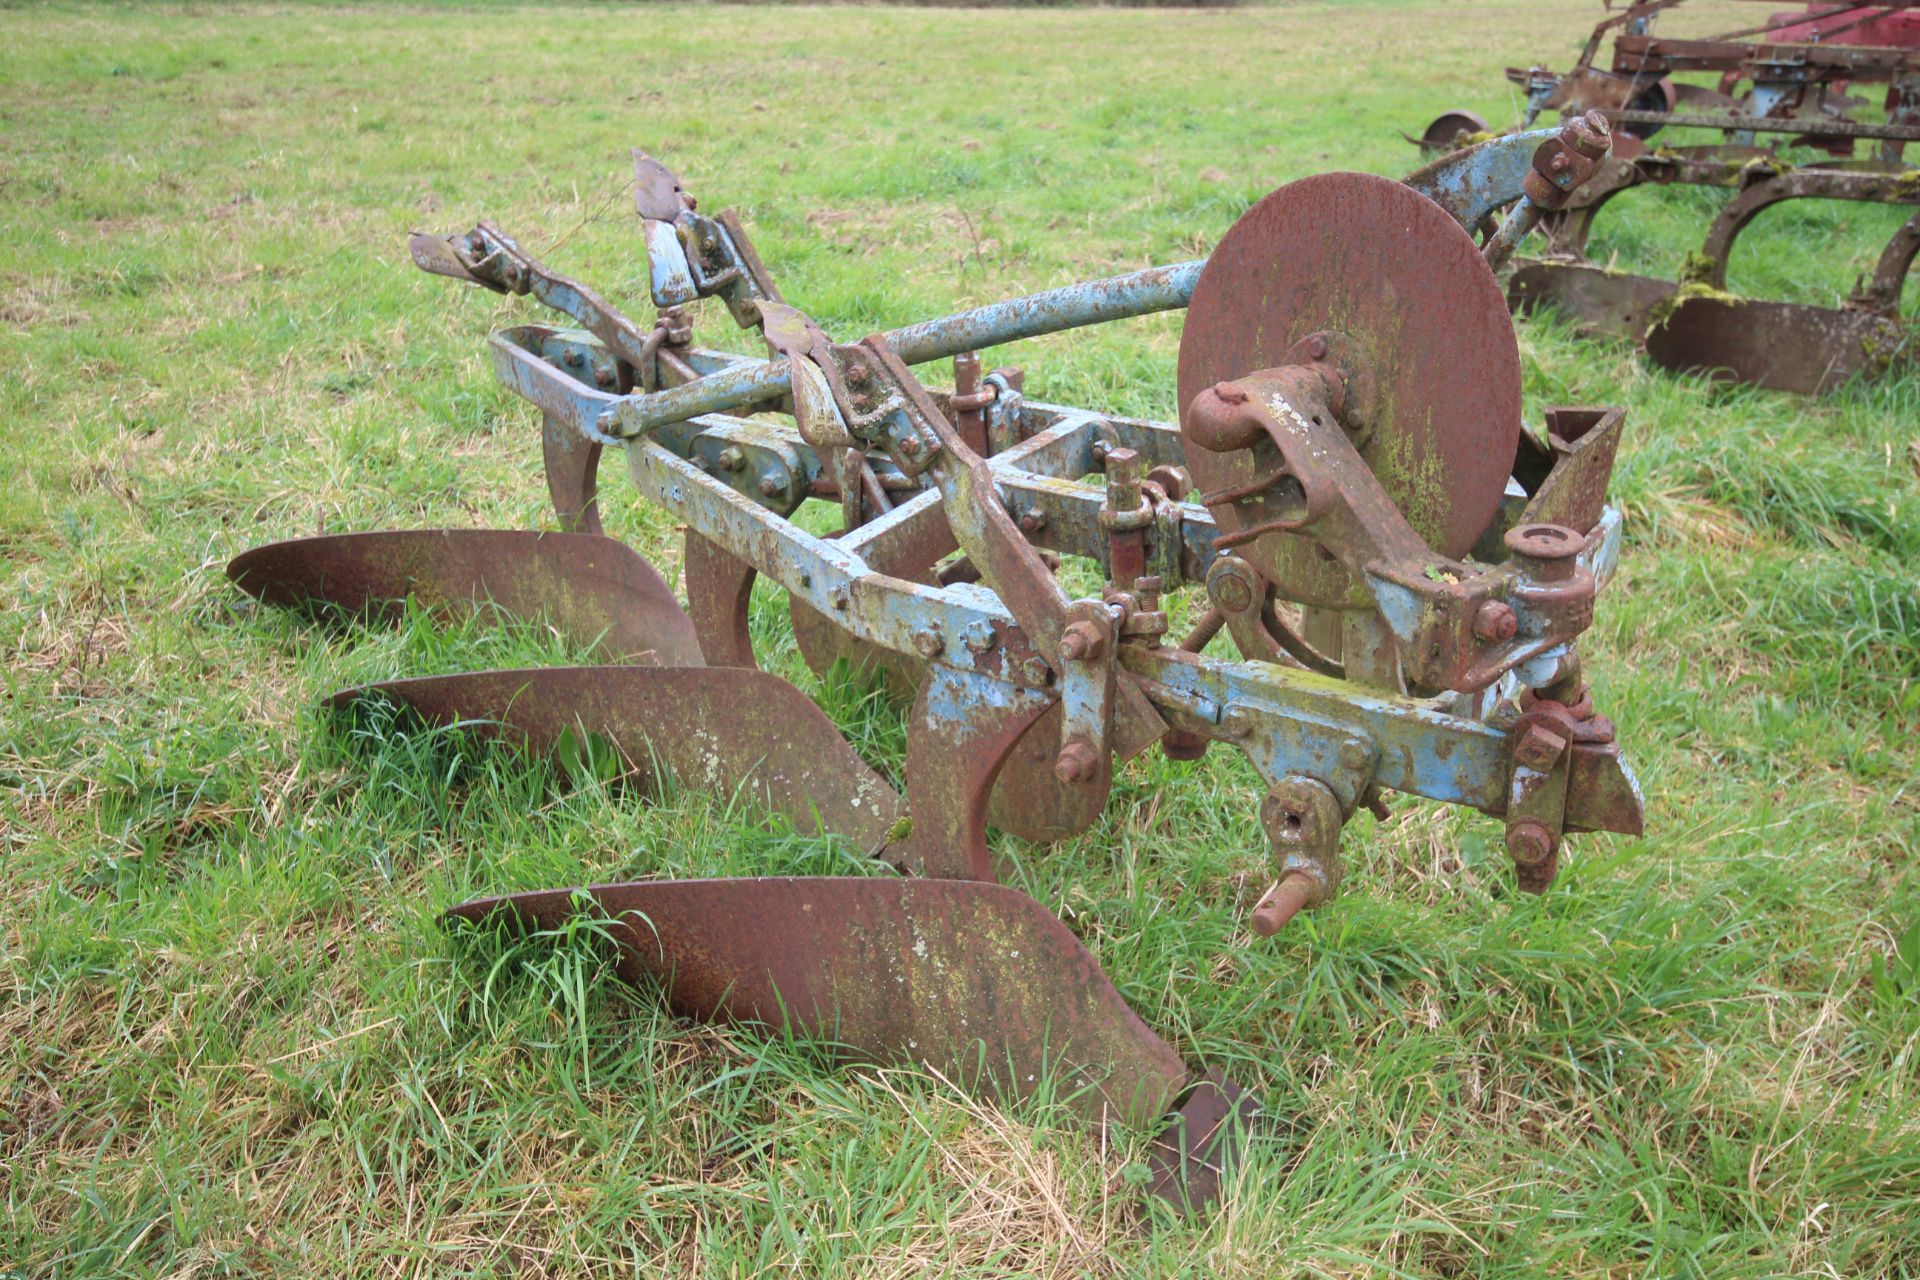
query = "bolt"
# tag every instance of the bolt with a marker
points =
(1125, 471)
(1495, 622)
(911, 446)
(1281, 903)
(1590, 135)
(838, 598)
(1559, 162)
(1173, 481)
(1035, 673)
(1539, 748)
(1316, 347)
(603, 376)
(1529, 842)
(929, 643)
(1230, 392)
(1237, 721)
(1101, 448)
(1080, 642)
(1231, 589)
(1076, 763)
(1354, 754)
(978, 637)
(574, 359)
(732, 458)
(1033, 522)
(772, 483)
(858, 375)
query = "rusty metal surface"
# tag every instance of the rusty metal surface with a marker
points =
(978, 981)
(1783, 346)
(571, 464)
(822, 644)
(1477, 182)
(1804, 184)
(1193, 1157)
(1597, 300)
(719, 590)
(657, 192)
(1028, 798)
(1582, 444)
(1452, 130)
(725, 732)
(1365, 257)
(595, 590)
(959, 734)
(1881, 292)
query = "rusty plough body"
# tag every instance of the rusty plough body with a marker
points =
(1782, 83)
(1403, 570)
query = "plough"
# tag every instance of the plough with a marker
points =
(1786, 81)
(1402, 571)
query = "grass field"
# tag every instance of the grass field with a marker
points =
(234, 1039)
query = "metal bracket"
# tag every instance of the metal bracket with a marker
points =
(690, 255)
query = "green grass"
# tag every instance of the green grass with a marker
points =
(234, 1039)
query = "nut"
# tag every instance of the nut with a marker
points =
(1530, 843)
(1230, 392)
(1076, 763)
(1495, 622)
(732, 458)
(1539, 747)
(929, 643)
(1230, 585)
(1080, 642)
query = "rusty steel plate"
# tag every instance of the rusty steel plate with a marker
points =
(719, 588)
(1783, 346)
(977, 981)
(657, 193)
(1364, 256)
(1450, 131)
(723, 731)
(435, 255)
(1597, 301)
(597, 591)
